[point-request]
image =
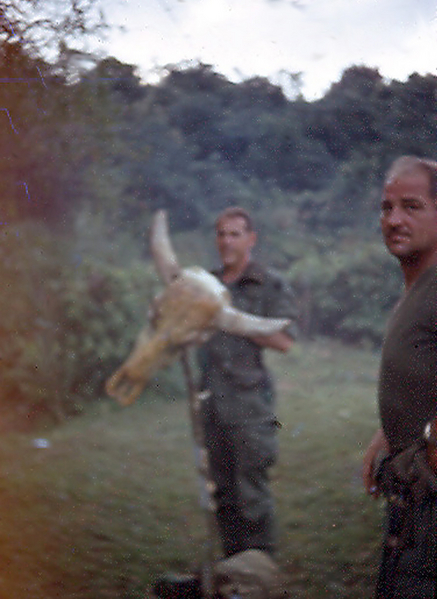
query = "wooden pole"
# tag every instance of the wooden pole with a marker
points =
(207, 486)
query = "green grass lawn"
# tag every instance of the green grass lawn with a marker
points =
(112, 502)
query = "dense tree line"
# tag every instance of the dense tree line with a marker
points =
(195, 139)
(88, 159)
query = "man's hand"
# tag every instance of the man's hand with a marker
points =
(377, 444)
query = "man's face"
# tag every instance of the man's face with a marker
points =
(234, 241)
(409, 216)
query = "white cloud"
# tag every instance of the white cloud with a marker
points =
(256, 37)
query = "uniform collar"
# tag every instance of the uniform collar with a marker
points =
(253, 273)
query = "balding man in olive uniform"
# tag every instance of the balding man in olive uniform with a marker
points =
(407, 439)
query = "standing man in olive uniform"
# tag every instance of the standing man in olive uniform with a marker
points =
(239, 419)
(408, 388)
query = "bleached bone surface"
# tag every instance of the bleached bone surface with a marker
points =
(192, 306)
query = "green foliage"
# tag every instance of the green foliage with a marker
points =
(67, 320)
(103, 309)
(51, 140)
(345, 290)
(194, 142)
(26, 267)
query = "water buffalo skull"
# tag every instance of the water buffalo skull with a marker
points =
(193, 304)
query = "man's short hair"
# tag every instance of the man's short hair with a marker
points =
(236, 212)
(406, 164)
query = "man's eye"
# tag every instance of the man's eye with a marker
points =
(411, 206)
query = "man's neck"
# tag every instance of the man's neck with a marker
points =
(233, 273)
(413, 269)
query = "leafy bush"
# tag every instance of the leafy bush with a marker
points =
(65, 321)
(346, 292)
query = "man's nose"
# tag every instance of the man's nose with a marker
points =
(394, 217)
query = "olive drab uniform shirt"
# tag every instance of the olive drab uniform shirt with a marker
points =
(232, 366)
(407, 400)
(408, 373)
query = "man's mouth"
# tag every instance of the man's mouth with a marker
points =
(397, 237)
(227, 255)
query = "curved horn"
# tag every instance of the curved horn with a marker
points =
(163, 255)
(241, 323)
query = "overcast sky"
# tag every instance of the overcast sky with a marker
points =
(245, 38)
